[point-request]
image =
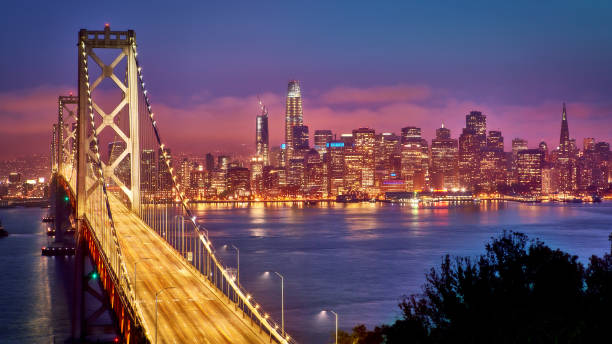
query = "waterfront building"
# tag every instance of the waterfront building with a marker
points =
(321, 138)
(364, 144)
(566, 158)
(239, 181)
(293, 115)
(477, 122)
(257, 183)
(334, 159)
(148, 170)
(315, 178)
(210, 162)
(199, 182)
(184, 172)
(415, 160)
(164, 178)
(444, 160)
(469, 159)
(601, 177)
(492, 169)
(387, 144)
(122, 168)
(518, 144)
(353, 163)
(218, 182)
(548, 180)
(529, 163)
(295, 175)
(262, 148)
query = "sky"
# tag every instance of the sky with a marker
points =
(380, 64)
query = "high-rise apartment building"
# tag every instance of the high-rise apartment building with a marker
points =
(477, 122)
(444, 159)
(334, 159)
(262, 148)
(469, 159)
(415, 159)
(529, 163)
(364, 143)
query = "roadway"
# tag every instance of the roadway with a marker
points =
(191, 312)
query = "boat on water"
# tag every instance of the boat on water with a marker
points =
(3, 232)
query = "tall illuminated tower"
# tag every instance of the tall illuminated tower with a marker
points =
(293, 116)
(262, 148)
(566, 164)
(564, 140)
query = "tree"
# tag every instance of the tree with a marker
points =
(519, 291)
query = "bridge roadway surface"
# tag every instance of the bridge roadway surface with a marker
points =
(192, 312)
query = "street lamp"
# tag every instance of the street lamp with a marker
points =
(282, 301)
(156, 295)
(136, 262)
(238, 270)
(336, 314)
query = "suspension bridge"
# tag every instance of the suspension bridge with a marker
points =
(142, 257)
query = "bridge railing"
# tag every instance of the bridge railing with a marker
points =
(165, 208)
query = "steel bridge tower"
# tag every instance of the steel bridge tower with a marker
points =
(123, 42)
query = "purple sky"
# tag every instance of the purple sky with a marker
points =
(384, 66)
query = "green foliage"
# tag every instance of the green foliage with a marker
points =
(519, 291)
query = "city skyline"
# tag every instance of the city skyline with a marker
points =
(466, 58)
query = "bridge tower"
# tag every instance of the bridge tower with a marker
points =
(121, 41)
(92, 283)
(66, 130)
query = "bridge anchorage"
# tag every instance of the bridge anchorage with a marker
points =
(144, 264)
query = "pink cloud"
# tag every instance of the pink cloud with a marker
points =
(376, 94)
(228, 123)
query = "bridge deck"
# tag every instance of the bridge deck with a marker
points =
(193, 312)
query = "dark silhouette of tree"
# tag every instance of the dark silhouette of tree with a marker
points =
(519, 291)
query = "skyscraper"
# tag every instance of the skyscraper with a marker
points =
(566, 164)
(529, 163)
(293, 115)
(564, 140)
(321, 138)
(365, 140)
(262, 148)
(444, 160)
(469, 158)
(210, 162)
(477, 122)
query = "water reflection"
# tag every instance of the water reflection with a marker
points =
(356, 259)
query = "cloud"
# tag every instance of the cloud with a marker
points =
(208, 123)
(376, 94)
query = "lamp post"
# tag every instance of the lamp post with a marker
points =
(282, 302)
(238, 269)
(156, 295)
(336, 314)
(136, 262)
